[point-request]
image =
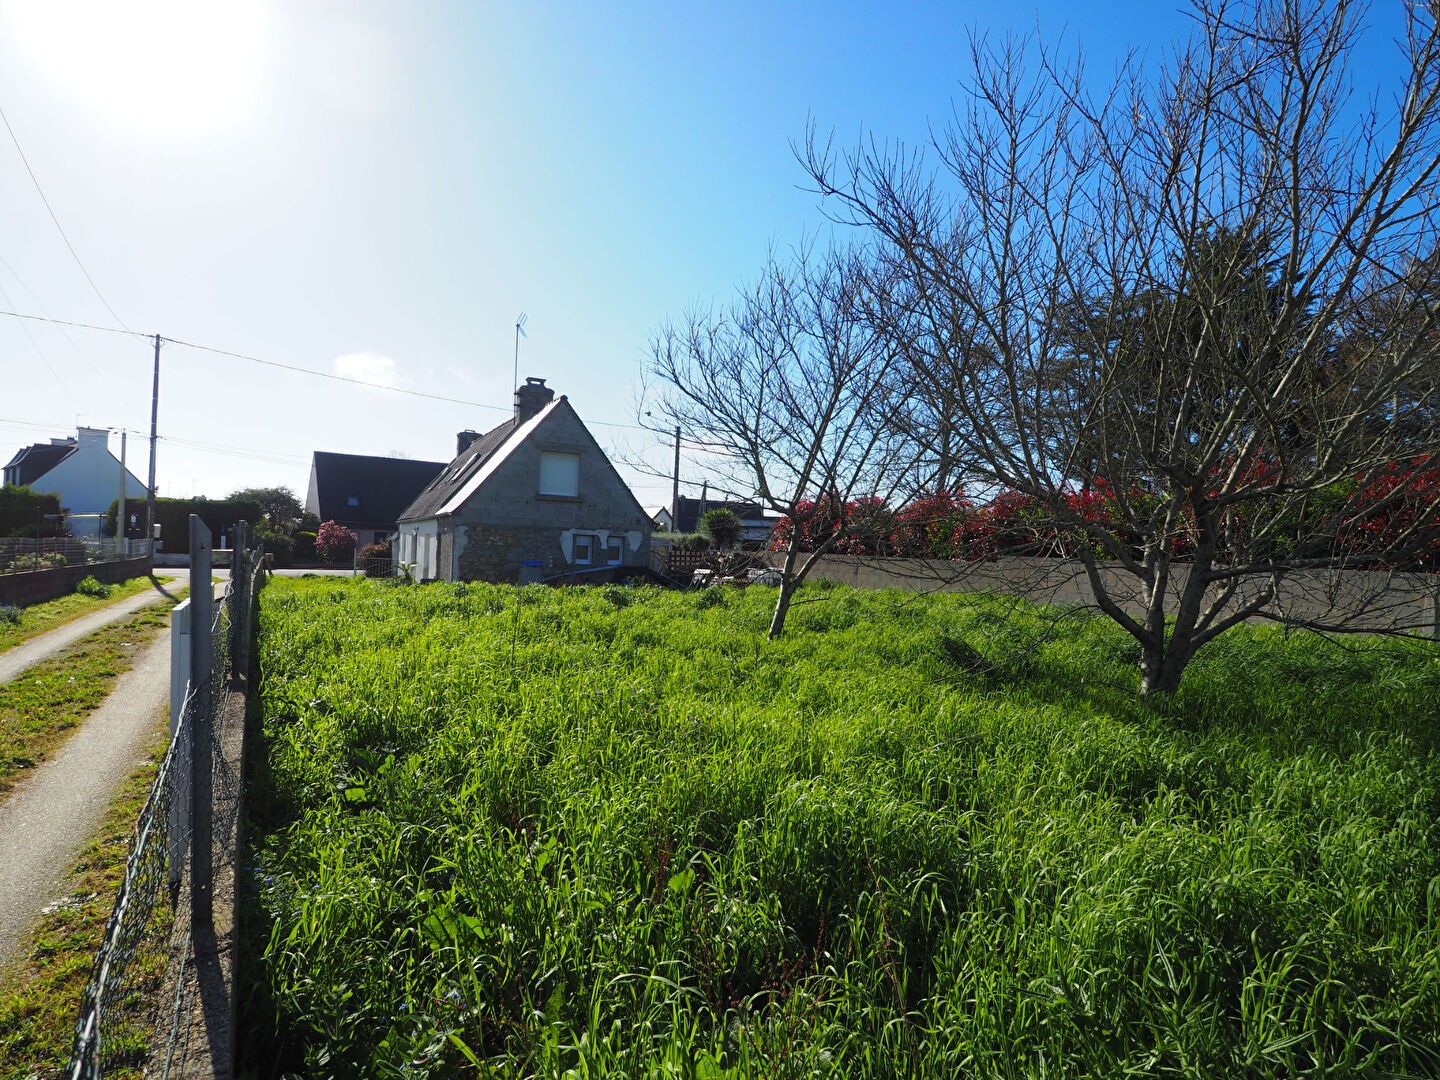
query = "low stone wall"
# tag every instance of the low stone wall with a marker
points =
(37, 586)
(1349, 599)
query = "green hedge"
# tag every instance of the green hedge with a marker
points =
(219, 515)
(23, 510)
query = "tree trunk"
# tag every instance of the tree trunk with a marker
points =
(1161, 668)
(782, 607)
(788, 585)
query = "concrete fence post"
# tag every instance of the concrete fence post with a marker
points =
(239, 569)
(202, 595)
(179, 816)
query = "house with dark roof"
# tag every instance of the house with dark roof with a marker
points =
(81, 470)
(755, 521)
(365, 494)
(536, 498)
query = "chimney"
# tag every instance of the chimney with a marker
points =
(464, 439)
(531, 398)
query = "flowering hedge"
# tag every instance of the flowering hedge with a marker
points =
(1399, 503)
(1392, 508)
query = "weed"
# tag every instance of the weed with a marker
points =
(89, 586)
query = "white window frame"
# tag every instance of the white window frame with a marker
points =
(591, 542)
(559, 473)
(617, 543)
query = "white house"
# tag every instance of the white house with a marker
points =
(82, 471)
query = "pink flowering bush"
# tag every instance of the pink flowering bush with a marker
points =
(334, 542)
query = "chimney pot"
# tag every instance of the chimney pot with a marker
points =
(531, 398)
(463, 440)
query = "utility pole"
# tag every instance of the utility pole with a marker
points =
(120, 509)
(154, 418)
(675, 484)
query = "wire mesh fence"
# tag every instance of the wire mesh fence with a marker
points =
(132, 1011)
(21, 554)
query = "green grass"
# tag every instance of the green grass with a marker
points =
(603, 832)
(43, 705)
(39, 618)
(40, 995)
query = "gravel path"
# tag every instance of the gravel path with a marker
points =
(45, 820)
(28, 653)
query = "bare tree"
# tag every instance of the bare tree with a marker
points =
(784, 391)
(1197, 292)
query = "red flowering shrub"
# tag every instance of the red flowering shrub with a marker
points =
(1395, 506)
(926, 528)
(1400, 509)
(856, 527)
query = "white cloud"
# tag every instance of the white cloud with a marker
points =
(367, 367)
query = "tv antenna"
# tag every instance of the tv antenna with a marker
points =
(519, 333)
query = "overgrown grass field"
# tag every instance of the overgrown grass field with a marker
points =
(606, 832)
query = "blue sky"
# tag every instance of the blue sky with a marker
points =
(378, 190)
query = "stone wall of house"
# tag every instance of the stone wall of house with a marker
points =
(496, 552)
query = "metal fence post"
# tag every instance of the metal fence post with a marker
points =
(179, 815)
(202, 606)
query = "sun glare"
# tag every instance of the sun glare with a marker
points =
(161, 67)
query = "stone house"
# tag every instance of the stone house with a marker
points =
(535, 498)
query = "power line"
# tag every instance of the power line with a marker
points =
(372, 385)
(34, 180)
(248, 452)
(69, 322)
(45, 359)
(318, 374)
(332, 376)
(96, 368)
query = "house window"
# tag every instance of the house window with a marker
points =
(583, 550)
(559, 473)
(615, 551)
(353, 500)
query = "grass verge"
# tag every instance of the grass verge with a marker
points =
(40, 995)
(45, 703)
(40, 618)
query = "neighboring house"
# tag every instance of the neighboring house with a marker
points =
(365, 494)
(660, 518)
(82, 471)
(752, 516)
(535, 498)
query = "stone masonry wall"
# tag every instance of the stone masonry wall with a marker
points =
(495, 552)
(1356, 600)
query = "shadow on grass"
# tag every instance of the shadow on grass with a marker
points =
(1299, 690)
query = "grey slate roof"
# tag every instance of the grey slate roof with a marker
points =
(687, 517)
(383, 486)
(33, 462)
(453, 477)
